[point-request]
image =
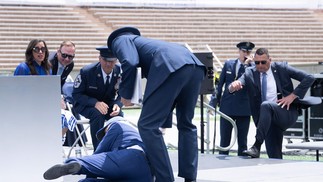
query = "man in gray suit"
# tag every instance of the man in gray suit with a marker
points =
(273, 100)
(174, 77)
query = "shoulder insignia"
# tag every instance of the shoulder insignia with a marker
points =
(78, 81)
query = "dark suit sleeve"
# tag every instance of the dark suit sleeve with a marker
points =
(126, 52)
(243, 77)
(305, 79)
(66, 72)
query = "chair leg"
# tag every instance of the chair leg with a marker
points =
(79, 138)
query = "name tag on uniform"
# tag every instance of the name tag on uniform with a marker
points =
(229, 72)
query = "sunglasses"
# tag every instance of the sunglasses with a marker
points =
(38, 49)
(70, 57)
(262, 62)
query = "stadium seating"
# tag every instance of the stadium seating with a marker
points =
(20, 24)
(293, 35)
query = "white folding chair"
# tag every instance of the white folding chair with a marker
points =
(80, 134)
(67, 91)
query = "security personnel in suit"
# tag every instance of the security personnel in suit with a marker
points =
(235, 105)
(62, 61)
(120, 156)
(95, 91)
(174, 77)
(274, 102)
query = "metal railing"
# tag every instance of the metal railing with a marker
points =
(210, 109)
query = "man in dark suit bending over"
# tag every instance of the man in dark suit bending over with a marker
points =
(272, 100)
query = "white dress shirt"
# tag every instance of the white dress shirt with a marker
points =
(271, 86)
(105, 76)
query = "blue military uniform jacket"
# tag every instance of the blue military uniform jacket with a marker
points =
(283, 74)
(89, 87)
(118, 157)
(120, 135)
(238, 100)
(157, 59)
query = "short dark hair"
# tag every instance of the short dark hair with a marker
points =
(262, 51)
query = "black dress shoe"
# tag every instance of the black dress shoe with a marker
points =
(252, 152)
(62, 170)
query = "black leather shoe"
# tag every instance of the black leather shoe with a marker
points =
(62, 170)
(253, 152)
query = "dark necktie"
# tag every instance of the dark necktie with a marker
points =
(107, 80)
(264, 87)
(239, 71)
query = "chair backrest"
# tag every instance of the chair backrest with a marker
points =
(67, 91)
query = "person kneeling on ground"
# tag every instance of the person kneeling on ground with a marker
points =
(117, 157)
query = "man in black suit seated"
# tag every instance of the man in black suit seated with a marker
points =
(272, 99)
(62, 60)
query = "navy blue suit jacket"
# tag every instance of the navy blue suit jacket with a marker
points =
(283, 74)
(89, 87)
(157, 59)
(235, 104)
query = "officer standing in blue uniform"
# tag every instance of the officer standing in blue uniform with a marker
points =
(118, 157)
(95, 91)
(235, 105)
(174, 77)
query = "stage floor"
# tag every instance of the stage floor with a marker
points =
(216, 168)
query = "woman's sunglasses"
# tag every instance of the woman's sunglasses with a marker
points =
(38, 49)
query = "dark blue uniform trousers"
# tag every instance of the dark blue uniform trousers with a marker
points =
(181, 89)
(243, 123)
(126, 165)
(273, 121)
